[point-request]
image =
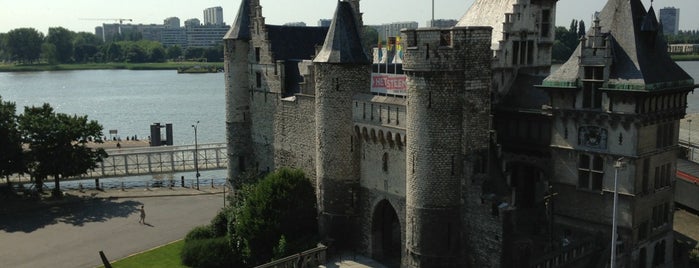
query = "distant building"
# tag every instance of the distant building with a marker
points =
(174, 37)
(172, 22)
(324, 22)
(297, 24)
(213, 16)
(206, 36)
(192, 23)
(670, 19)
(441, 23)
(393, 29)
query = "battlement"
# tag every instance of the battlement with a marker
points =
(431, 49)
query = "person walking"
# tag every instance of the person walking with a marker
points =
(143, 216)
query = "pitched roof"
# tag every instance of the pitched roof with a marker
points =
(343, 44)
(488, 13)
(241, 27)
(640, 58)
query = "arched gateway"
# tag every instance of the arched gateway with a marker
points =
(386, 234)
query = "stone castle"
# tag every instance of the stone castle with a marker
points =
(473, 154)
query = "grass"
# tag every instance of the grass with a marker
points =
(167, 256)
(104, 66)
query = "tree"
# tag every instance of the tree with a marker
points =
(157, 55)
(136, 54)
(11, 158)
(581, 29)
(214, 54)
(86, 47)
(282, 205)
(49, 54)
(370, 37)
(57, 144)
(4, 53)
(573, 26)
(194, 53)
(24, 44)
(113, 53)
(174, 52)
(62, 39)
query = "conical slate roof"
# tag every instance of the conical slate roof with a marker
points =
(343, 44)
(640, 58)
(241, 27)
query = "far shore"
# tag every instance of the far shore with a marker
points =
(106, 66)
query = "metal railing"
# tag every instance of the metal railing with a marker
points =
(309, 258)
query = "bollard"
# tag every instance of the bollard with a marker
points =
(212, 183)
(147, 187)
(102, 186)
(169, 186)
(97, 183)
(122, 185)
(182, 178)
(80, 186)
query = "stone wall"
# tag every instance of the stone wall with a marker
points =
(439, 83)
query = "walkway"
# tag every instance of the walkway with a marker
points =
(71, 233)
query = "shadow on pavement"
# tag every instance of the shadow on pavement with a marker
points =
(75, 213)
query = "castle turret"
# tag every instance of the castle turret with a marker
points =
(238, 119)
(441, 66)
(342, 69)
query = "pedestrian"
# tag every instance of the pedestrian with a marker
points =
(143, 216)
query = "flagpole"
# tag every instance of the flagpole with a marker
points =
(432, 23)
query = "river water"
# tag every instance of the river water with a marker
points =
(130, 101)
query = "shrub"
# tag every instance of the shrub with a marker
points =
(199, 233)
(211, 252)
(219, 224)
(282, 204)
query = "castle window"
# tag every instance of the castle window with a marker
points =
(545, 23)
(530, 52)
(592, 95)
(257, 54)
(643, 231)
(515, 52)
(590, 172)
(645, 176)
(664, 135)
(445, 38)
(385, 162)
(258, 79)
(662, 176)
(660, 215)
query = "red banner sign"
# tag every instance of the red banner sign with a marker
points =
(389, 84)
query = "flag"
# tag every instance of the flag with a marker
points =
(399, 48)
(380, 52)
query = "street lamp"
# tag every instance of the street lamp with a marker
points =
(617, 165)
(689, 140)
(196, 153)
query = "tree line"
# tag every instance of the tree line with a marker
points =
(61, 46)
(683, 37)
(43, 144)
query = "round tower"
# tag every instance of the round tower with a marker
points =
(238, 120)
(436, 63)
(342, 69)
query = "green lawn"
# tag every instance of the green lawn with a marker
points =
(166, 257)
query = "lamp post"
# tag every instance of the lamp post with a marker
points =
(196, 153)
(689, 140)
(617, 165)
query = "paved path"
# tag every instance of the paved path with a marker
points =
(72, 234)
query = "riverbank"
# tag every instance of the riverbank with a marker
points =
(107, 66)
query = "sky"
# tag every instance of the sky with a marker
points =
(84, 15)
